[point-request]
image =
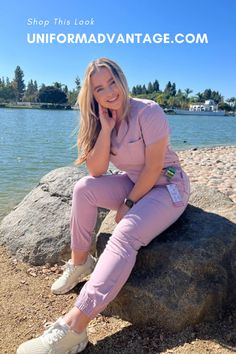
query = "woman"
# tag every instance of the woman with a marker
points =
(149, 195)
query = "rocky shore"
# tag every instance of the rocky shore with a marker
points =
(27, 303)
(214, 167)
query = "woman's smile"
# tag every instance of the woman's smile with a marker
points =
(112, 100)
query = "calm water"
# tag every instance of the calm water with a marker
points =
(33, 142)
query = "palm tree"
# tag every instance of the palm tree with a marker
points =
(161, 99)
(200, 97)
(57, 85)
(187, 92)
(232, 102)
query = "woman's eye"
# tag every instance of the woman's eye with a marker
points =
(101, 88)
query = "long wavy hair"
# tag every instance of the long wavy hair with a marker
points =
(90, 125)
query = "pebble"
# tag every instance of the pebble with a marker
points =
(33, 274)
(214, 167)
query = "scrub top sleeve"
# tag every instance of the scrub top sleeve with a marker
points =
(153, 123)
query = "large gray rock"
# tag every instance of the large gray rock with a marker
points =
(188, 273)
(184, 276)
(37, 231)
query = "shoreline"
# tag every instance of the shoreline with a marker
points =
(42, 106)
(205, 147)
(210, 147)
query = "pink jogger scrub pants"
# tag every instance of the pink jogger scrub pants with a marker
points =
(151, 215)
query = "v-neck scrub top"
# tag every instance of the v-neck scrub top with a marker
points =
(146, 125)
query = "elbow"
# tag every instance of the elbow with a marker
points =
(97, 173)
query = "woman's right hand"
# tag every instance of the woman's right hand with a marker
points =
(107, 122)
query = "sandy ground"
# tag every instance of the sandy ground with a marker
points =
(26, 302)
(214, 167)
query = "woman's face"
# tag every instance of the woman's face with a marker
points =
(105, 90)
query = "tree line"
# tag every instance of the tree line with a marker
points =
(170, 97)
(17, 91)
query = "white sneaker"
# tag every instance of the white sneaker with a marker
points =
(72, 275)
(57, 339)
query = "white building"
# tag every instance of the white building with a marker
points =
(208, 106)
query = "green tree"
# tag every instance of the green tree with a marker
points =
(52, 94)
(30, 89)
(35, 86)
(173, 102)
(187, 92)
(65, 89)
(134, 91)
(150, 88)
(232, 103)
(217, 97)
(19, 83)
(72, 97)
(173, 89)
(7, 93)
(138, 89)
(167, 89)
(207, 94)
(31, 92)
(199, 97)
(162, 99)
(170, 89)
(77, 83)
(57, 85)
(2, 83)
(224, 106)
(144, 90)
(156, 86)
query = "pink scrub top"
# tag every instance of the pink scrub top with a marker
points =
(146, 124)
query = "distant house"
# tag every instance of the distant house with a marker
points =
(208, 106)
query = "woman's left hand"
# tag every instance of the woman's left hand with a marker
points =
(123, 209)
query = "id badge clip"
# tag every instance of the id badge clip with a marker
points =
(169, 172)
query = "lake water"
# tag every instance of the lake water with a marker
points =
(33, 142)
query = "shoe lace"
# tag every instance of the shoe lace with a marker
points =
(67, 270)
(54, 332)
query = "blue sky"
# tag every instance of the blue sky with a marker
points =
(194, 66)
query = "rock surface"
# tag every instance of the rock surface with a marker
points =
(188, 273)
(37, 231)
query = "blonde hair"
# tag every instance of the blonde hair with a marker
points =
(90, 125)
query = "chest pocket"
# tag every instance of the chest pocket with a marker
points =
(135, 151)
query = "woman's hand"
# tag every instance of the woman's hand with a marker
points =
(107, 122)
(123, 209)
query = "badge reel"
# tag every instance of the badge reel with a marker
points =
(172, 187)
